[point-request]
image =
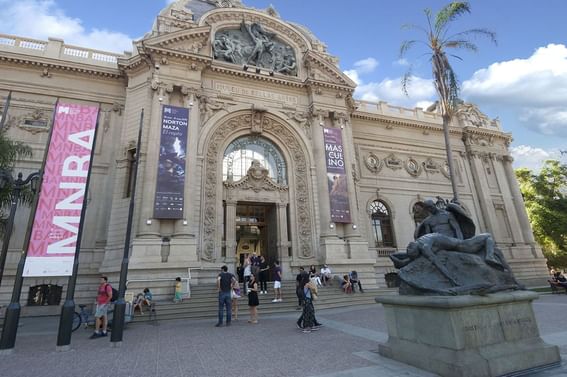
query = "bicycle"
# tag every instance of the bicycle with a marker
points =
(82, 317)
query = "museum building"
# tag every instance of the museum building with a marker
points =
(269, 152)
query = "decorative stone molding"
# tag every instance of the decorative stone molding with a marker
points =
(256, 179)
(393, 162)
(470, 114)
(431, 166)
(209, 107)
(34, 122)
(412, 167)
(270, 126)
(445, 170)
(373, 163)
(301, 118)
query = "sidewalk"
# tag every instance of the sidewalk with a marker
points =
(345, 346)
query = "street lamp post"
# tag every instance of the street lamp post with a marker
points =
(17, 185)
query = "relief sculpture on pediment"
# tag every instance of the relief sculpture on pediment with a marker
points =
(253, 45)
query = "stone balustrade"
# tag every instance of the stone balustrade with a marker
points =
(383, 108)
(57, 49)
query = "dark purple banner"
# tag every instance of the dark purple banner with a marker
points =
(170, 185)
(336, 175)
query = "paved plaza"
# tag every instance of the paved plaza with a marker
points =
(345, 346)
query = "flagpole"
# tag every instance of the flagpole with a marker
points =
(12, 316)
(68, 309)
(120, 305)
(5, 112)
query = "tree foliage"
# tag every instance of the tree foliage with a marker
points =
(10, 152)
(545, 196)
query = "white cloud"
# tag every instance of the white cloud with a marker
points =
(403, 62)
(421, 91)
(41, 19)
(535, 88)
(526, 156)
(367, 65)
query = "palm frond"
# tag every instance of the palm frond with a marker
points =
(449, 13)
(406, 81)
(406, 45)
(466, 45)
(477, 32)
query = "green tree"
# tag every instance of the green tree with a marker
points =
(438, 41)
(10, 152)
(545, 196)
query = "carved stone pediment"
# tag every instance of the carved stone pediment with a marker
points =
(470, 115)
(190, 41)
(321, 70)
(257, 179)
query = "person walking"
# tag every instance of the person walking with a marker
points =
(253, 301)
(225, 283)
(300, 280)
(103, 298)
(277, 282)
(263, 275)
(310, 292)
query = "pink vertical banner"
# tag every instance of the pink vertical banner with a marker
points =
(54, 234)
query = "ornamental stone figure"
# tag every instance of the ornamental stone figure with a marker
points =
(447, 258)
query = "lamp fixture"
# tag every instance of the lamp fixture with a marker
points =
(354, 226)
(332, 225)
(149, 222)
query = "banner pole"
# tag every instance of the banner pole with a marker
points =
(120, 305)
(68, 308)
(5, 111)
(12, 315)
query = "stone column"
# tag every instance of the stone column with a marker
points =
(230, 225)
(482, 191)
(283, 242)
(507, 196)
(518, 201)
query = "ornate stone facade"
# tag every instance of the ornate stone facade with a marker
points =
(281, 85)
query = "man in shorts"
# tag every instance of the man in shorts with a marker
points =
(102, 305)
(277, 282)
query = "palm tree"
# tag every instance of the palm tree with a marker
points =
(437, 41)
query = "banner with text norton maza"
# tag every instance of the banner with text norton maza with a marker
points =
(336, 175)
(170, 186)
(54, 234)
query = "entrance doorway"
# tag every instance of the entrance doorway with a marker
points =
(256, 231)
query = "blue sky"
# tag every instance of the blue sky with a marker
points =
(522, 80)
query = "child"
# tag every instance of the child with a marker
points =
(235, 295)
(178, 295)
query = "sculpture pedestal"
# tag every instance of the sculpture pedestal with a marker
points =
(466, 335)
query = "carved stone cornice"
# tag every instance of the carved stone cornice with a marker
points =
(323, 73)
(201, 60)
(53, 65)
(229, 69)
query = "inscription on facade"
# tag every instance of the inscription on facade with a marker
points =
(264, 94)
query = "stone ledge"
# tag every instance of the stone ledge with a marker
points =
(457, 301)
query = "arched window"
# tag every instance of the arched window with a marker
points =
(381, 223)
(241, 152)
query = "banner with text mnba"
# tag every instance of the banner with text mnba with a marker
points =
(336, 175)
(56, 224)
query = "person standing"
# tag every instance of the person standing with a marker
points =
(308, 315)
(277, 282)
(255, 262)
(253, 301)
(225, 283)
(247, 273)
(263, 275)
(103, 297)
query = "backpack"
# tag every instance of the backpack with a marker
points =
(114, 294)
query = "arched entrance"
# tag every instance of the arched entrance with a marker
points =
(286, 198)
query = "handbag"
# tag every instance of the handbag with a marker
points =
(234, 294)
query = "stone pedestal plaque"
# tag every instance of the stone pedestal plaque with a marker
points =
(489, 335)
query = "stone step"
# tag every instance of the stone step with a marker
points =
(207, 307)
